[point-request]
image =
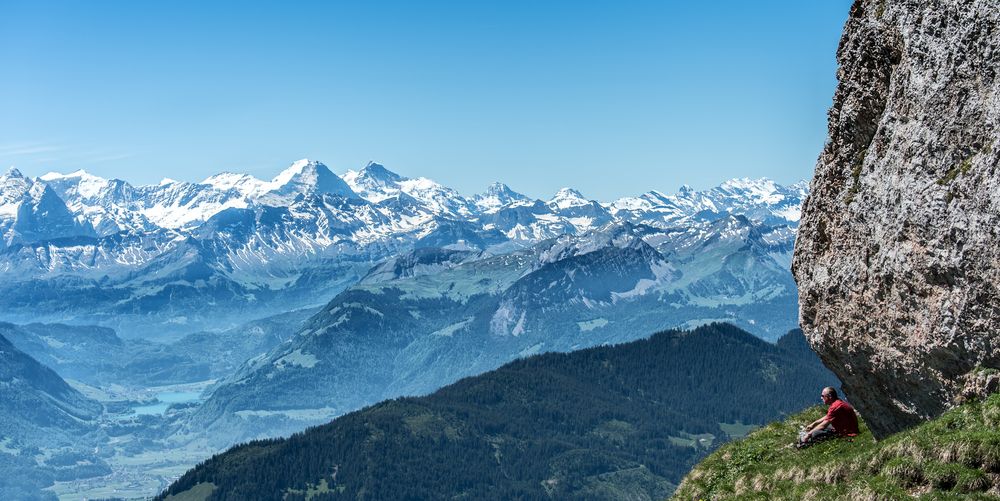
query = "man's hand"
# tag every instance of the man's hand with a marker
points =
(819, 423)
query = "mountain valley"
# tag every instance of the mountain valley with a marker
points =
(199, 315)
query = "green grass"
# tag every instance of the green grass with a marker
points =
(737, 430)
(312, 491)
(200, 492)
(956, 456)
(703, 441)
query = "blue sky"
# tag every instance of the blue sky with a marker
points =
(613, 98)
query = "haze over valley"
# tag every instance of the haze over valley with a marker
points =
(187, 317)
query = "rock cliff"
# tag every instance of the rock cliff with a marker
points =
(898, 254)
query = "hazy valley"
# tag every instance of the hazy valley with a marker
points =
(195, 316)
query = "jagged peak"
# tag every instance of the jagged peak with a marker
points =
(568, 193)
(309, 176)
(496, 188)
(373, 177)
(13, 185)
(374, 170)
(497, 196)
(39, 190)
(746, 183)
(568, 197)
(499, 189)
(500, 193)
(12, 172)
(761, 190)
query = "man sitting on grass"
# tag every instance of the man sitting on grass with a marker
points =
(840, 420)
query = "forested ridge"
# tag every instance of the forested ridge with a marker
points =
(602, 423)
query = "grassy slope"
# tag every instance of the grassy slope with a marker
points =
(956, 456)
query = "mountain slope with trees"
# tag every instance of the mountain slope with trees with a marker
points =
(610, 422)
(41, 420)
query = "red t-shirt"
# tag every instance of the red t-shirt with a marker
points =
(843, 419)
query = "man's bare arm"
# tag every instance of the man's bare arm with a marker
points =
(819, 423)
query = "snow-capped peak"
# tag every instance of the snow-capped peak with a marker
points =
(378, 172)
(298, 168)
(761, 190)
(308, 176)
(77, 174)
(568, 192)
(501, 190)
(568, 197)
(747, 184)
(376, 184)
(13, 172)
(800, 187)
(498, 195)
(53, 176)
(374, 181)
(647, 201)
(78, 183)
(13, 186)
(39, 191)
(226, 180)
(165, 181)
(245, 184)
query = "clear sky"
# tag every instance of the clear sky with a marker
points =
(613, 98)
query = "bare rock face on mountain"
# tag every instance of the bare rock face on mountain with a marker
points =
(898, 253)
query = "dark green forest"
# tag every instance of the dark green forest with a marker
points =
(611, 422)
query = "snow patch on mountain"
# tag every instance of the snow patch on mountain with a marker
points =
(761, 191)
(297, 358)
(245, 184)
(450, 330)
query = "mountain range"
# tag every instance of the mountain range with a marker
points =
(300, 299)
(169, 259)
(429, 317)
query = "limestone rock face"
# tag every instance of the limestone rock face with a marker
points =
(898, 254)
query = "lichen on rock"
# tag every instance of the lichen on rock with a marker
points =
(898, 253)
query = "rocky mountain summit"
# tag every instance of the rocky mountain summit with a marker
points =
(897, 261)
